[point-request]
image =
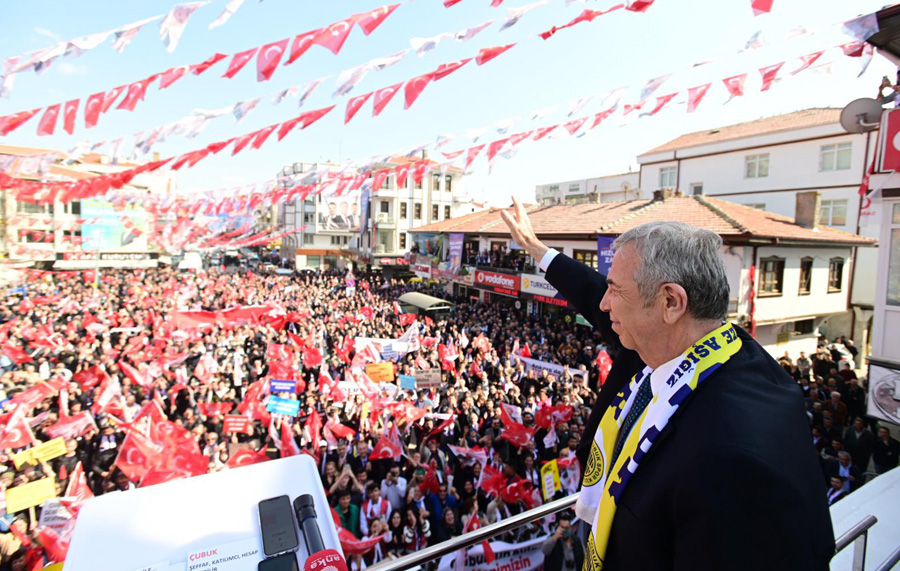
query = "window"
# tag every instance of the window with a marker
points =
(402, 240)
(345, 240)
(835, 157)
(435, 181)
(403, 207)
(667, 176)
(308, 217)
(574, 187)
(587, 257)
(418, 183)
(384, 206)
(771, 276)
(697, 188)
(835, 274)
(435, 212)
(893, 282)
(833, 212)
(448, 183)
(74, 208)
(23, 207)
(308, 239)
(386, 183)
(417, 211)
(758, 205)
(804, 327)
(805, 275)
(335, 240)
(756, 166)
(446, 211)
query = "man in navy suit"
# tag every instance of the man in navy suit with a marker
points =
(702, 492)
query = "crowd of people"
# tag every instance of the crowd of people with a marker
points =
(127, 360)
(499, 257)
(835, 401)
(159, 360)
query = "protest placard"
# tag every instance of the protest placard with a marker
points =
(428, 379)
(283, 406)
(380, 372)
(282, 386)
(236, 423)
(408, 382)
(30, 495)
(45, 451)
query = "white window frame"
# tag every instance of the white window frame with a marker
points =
(668, 174)
(756, 166)
(828, 210)
(830, 157)
(695, 186)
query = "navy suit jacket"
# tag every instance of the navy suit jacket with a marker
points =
(732, 482)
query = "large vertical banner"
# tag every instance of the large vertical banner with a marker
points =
(364, 209)
(456, 250)
(604, 254)
(113, 230)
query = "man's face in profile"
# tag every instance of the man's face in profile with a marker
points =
(634, 323)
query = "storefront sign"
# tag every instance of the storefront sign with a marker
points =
(540, 290)
(393, 261)
(499, 283)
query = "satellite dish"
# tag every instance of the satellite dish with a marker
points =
(861, 116)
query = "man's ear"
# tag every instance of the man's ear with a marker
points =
(674, 301)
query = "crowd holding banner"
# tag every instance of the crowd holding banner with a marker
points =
(147, 376)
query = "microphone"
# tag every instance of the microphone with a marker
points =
(327, 560)
(309, 526)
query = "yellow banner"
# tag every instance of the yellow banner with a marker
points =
(550, 479)
(46, 451)
(380, 372)
(33, 494)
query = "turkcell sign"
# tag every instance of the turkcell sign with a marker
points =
(283, 406)
(541, 290)
(500, 283)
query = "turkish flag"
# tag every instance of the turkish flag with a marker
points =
(135, 94)
(238, 62)
(311, 117)
(69, 114)
(268, 58)
(550, 415)
(695, 96)
(385, 449)
(735, 84)
(661, 102)
(77, 491)
(446, 424)
(171, 75)
(312, 358)
(543, 132)
(111, 96)
(16, 353)
(400, 173)
(806, 61)
(768, 74)
(241, 142)
(246, 457)
(638, 5)
(300, 44)
(334, 36)
(761, 6)
(354, 105)
(351, 545)
(487, 54)
(215, 408)
(446, 69)
(604, 363)
(156, 476)
(853, 49)
(55, 548)
(48, 120)
(313, 426)
(383, 96)
(407, 319)
(414, 88)
(262, 135)
(199, 68)
(10, 123)
(137, 455)
(369, 21)
(73, 426)
(288, 444)
(339, 430)
(17, 433)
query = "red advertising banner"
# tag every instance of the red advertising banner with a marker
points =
(500, 283)
(235, 423)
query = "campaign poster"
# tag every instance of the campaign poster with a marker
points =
(339, 214)
(428, 244)
(604, 254)
(364, 208)
(456, 251)
(112, 230)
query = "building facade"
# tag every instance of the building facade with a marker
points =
(612, 188)
(785, 279)
(764, 164)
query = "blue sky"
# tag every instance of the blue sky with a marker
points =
(617, 49)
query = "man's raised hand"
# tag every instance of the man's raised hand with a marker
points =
(522, 232)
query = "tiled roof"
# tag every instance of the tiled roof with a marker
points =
(787, 122)
(734, 222)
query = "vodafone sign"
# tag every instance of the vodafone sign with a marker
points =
(500, 283)
(890, 153)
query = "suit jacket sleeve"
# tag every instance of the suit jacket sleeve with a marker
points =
(583, 287)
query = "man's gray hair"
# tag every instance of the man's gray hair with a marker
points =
(673, 252)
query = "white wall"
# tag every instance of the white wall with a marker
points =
(767, 336)
(790, 305)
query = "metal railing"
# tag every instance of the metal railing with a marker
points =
(858, 535)
(435, 552)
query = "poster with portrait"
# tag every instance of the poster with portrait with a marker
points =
(456, 250)
(430, 245)
(339, 214)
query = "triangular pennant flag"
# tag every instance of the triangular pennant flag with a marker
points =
(761, 6)
(334, 36)
(735, 85)
(172, 26)
(241, 142)
(262, 135)
(230, 9)
(661, 102)
(695, 96)
(135, 93)
(807, 61)
(268, 57)
(171, 75)
(48, 120)
(471, 154)
(10, 123)
(369, 21)
(238, 61)
(768, 74)
(300, 44)
(414, 88)
(199, 68)
(354, 105)
(69, 113)
(383, 96)
(543, 132)
(573, 126)
(602, 116)
(446, 69)
(487, 54)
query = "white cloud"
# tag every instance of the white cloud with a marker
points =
(69, 68)
(48, 34)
